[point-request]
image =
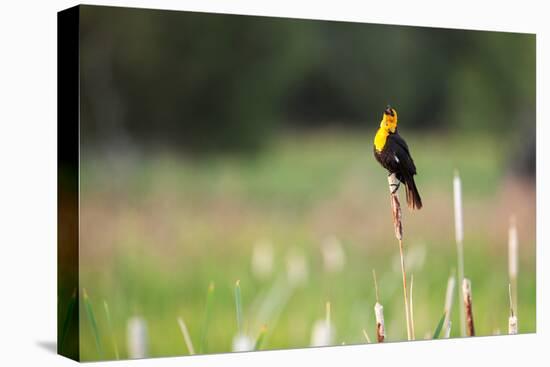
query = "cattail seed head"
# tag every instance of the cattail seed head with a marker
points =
(512, 325)
(380, 328)
(137, 338)
(468, 307)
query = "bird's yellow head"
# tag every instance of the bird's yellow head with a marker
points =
(389, 119)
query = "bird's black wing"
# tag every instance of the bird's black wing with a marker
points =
(400, 150)
(404, 168)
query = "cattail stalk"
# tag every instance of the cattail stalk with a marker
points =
(467, 292)
(512, 320)
(459, 237)
(394, 183)
(186, 336)
(449, 305)
(513, 261)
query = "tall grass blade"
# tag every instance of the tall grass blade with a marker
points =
(261, 337)
(327, 315)
(448, 326)
(239, 307)
(110, 326)
(449, 303)
(67, 321)
(207, 310)
(272, 304)
(439, 327)
(93, 323)
(366, 336)
(186, 336)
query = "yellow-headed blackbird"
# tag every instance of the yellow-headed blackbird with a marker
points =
(393, 154)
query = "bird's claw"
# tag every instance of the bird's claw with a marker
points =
(395, 187)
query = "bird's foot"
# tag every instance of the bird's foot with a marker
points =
(394, 187)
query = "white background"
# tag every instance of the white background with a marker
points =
(28, 182)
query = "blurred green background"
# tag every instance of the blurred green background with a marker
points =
(217, 148)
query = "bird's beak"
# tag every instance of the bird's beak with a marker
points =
(388, 111)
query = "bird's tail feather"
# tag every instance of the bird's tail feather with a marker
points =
(413, 197)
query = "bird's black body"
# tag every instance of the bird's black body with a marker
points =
(396, 158)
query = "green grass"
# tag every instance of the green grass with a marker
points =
(67, 321)
(207, 312)
(93, 323)
(439, 327)
(158, 230)
(239, 307)
(110, 328)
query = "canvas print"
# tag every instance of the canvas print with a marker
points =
(233, 183)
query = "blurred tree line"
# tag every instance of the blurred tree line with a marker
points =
(205, 82)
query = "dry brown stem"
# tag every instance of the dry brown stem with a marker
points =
(393, 184)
